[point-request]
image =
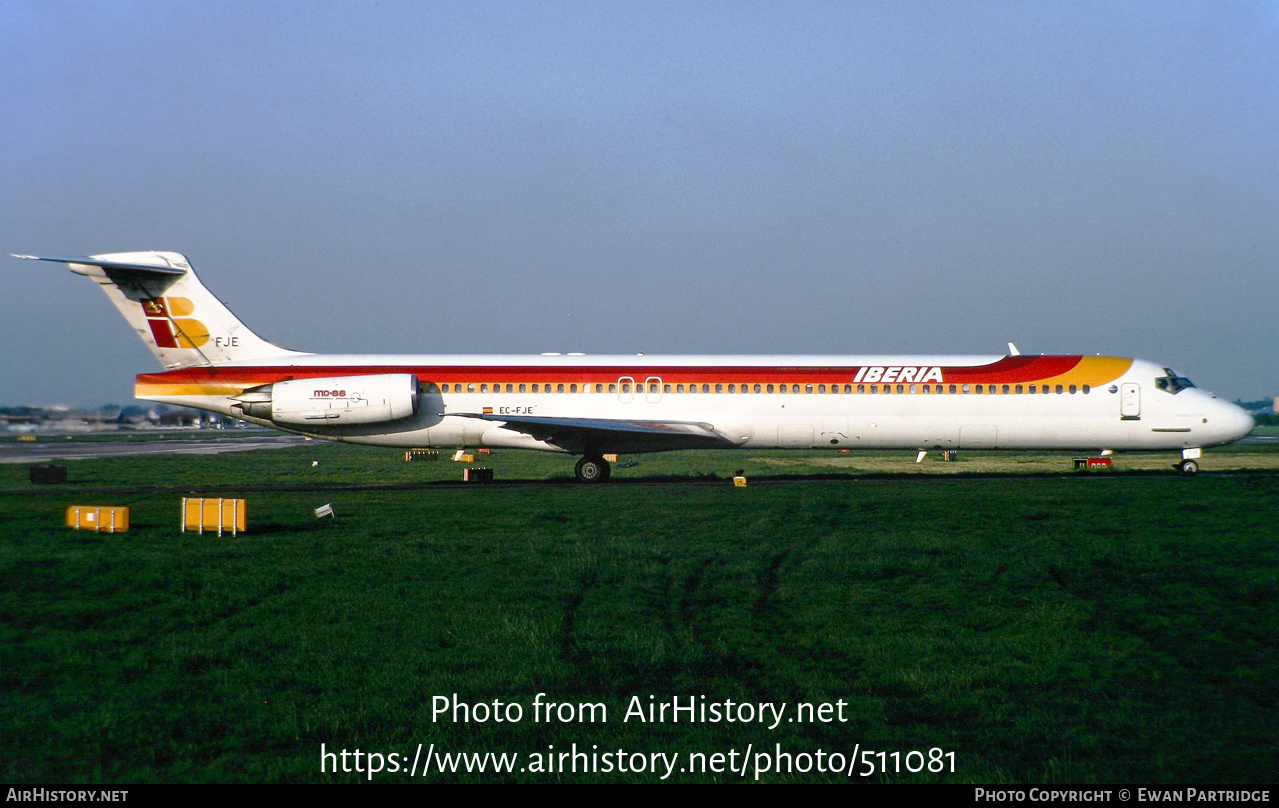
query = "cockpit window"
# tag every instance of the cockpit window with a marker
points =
(1172, 383)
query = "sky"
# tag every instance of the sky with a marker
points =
(666, 177)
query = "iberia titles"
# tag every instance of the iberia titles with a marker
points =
(905, 375)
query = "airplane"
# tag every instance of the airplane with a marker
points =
(594, 406)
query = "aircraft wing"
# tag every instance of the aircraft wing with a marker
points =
(604, 435)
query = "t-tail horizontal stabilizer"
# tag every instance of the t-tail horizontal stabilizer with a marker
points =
(162, 299)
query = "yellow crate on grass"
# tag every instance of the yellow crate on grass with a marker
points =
(102, 519)
(207, 514)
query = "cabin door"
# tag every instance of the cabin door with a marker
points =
(1130, 402)
(653, 394)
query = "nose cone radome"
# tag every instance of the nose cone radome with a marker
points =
(1244, 424)
(1234, 422)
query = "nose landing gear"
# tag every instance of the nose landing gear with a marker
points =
(1189, 465)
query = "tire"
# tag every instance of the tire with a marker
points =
(1188, 468)
(592, 470)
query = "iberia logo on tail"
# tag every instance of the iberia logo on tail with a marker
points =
(170, 325)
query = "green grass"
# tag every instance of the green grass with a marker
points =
(1085, 628)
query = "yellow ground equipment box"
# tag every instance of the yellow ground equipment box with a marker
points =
(739, 481)
(96, 517)
(207, 514)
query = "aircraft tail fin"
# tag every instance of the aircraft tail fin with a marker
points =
(175, 315)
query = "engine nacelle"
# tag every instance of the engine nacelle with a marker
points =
(333, 400)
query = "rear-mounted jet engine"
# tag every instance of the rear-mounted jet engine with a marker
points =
(334, 400)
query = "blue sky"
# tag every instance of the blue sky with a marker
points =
(785, 177)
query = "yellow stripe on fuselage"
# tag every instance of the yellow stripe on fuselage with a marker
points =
(151, 389)
(1093, 371)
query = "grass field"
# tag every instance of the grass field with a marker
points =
(1108, 627)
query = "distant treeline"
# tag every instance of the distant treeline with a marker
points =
(1262, 411)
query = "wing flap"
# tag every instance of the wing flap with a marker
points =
(601, 435)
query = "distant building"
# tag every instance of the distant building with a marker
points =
(61, 419)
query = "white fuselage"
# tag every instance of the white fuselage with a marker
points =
(846, 402)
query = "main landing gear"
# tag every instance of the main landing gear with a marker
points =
(592, 469)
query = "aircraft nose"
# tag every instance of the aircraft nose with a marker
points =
(1234, 421)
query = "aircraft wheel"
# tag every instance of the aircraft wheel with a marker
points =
(592, 470)
(1188, 468)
